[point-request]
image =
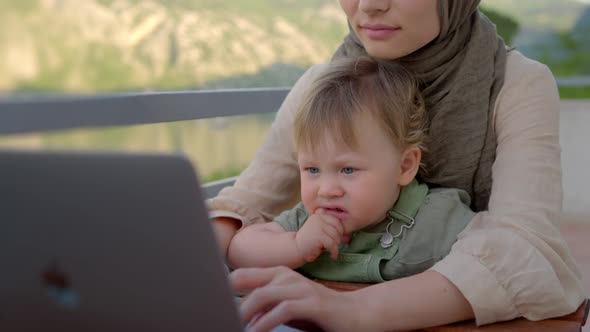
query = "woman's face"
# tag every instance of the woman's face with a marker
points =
(391, 29)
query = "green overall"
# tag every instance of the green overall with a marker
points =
(373, 254)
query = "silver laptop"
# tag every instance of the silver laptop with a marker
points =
(107, 242)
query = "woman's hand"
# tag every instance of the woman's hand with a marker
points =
(320, 232)
(278, 295)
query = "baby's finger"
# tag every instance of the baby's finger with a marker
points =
(336, 225)
(331, 245)
(334, 251)
(332, 232)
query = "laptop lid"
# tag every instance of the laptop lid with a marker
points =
(108, 241)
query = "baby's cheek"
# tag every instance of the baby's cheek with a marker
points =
(307, 195)
(376, 209)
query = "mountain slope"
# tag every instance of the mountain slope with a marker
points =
(121, 44)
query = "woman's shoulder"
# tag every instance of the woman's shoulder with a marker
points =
(526, 106)
(515, 60)
(521, 70)
(298, 90)
(310, 74)
(315, 70)
(526, 82)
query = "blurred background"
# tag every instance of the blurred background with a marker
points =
(105, 46)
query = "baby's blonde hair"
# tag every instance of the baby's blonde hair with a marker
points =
(352, 86)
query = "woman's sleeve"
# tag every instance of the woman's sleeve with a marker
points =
(270, 184)
(511, 260)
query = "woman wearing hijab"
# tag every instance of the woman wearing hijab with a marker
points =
(493, 127)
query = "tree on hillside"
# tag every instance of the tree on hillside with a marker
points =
(574, 49)
(507, 26)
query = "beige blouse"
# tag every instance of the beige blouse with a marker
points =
(511, 260)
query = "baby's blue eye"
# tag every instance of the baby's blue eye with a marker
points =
(313, 170)
(347, 170)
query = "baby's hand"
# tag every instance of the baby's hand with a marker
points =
(320, 232)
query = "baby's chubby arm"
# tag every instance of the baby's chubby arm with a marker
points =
(265, 245)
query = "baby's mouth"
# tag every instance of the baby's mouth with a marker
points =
(337, 212)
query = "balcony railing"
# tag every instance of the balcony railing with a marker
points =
(574, 81)
(28, 114)
(35, 114)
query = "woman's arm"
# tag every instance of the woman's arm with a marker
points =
(511, 260)
(424, 300)
(264, 245)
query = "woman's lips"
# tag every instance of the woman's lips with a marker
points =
(379, 32)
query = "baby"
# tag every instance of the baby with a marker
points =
(359, 137)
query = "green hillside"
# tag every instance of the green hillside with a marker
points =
(506, 26)
(557, 15)
(101, 45)
(106, 45)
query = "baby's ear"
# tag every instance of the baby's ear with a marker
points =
(409, 165)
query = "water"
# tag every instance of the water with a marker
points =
(219, 147)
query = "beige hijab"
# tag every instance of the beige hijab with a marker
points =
(462, 71)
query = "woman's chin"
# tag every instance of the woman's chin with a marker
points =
(384, 52)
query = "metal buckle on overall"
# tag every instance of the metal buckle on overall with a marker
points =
(387, 238)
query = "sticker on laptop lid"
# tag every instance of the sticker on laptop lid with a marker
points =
(58, 286)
